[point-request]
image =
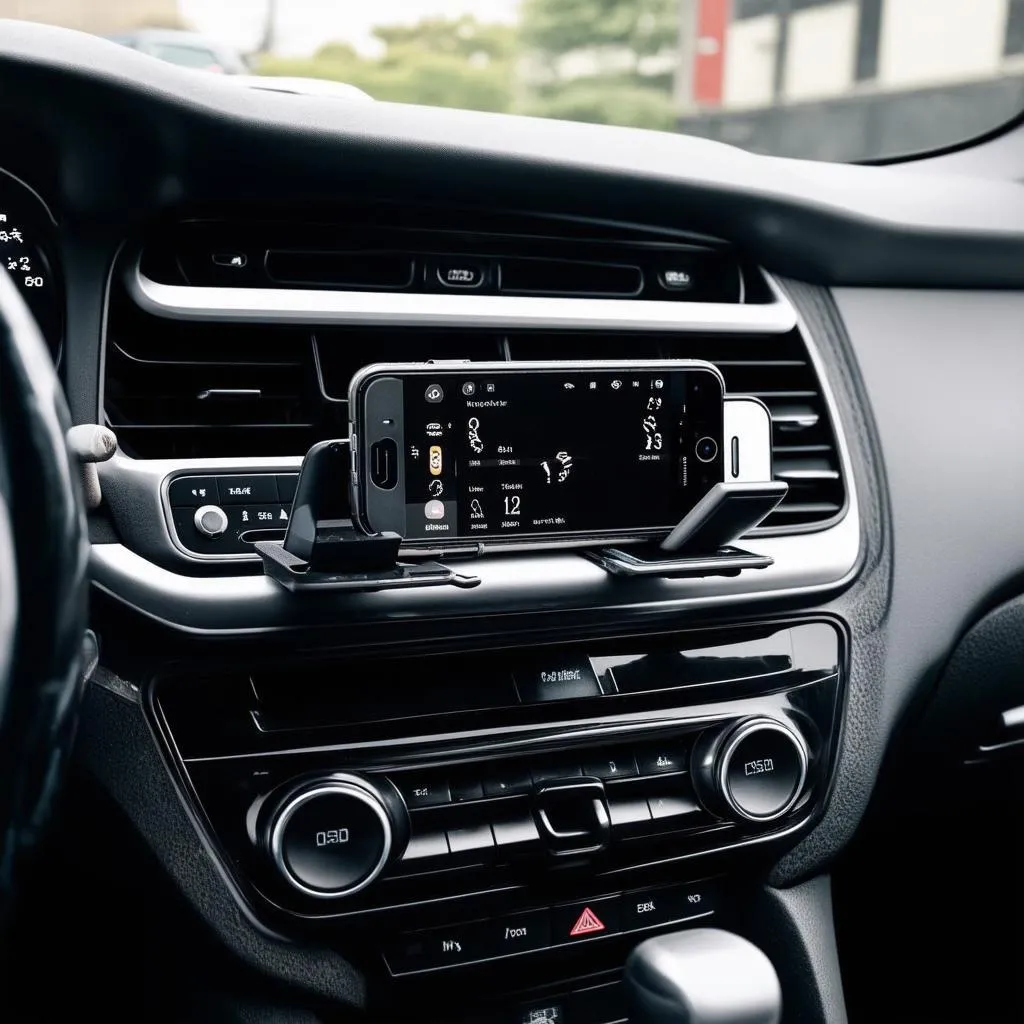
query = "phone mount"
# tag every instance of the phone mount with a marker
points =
(322, 550)
(702, 542)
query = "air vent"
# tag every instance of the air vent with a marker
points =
(541, 259)
(176, 389)
(776, 369)
(342, 351)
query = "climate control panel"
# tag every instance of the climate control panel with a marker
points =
(436, 812)
(215, 516)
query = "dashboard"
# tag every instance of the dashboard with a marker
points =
(537, 770)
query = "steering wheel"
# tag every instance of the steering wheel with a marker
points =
(43, 579)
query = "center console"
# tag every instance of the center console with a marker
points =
(507, 824)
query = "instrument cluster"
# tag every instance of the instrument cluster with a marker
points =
(28, 254)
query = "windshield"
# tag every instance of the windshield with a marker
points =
(825, 79)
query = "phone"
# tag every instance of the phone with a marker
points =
(747, 440)
(532, 453)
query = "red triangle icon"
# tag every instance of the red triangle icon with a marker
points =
(587, 924)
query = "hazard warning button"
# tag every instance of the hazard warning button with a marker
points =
(578, 921)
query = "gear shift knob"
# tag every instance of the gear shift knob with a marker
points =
(704, 976)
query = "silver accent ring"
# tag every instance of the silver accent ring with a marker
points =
(725, 759)
(341, 786)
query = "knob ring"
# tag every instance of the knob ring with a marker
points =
(340, 786)
(725, 762)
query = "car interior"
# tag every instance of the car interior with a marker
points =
(263, 762)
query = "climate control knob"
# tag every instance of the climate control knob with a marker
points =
(754, 771)
(332, 836)
(211, 520)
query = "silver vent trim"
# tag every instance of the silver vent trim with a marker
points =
(299, 306)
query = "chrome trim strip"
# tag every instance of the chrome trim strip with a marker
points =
(804, 565)
(846, 474)
(403, 309)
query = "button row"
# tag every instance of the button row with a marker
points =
(430, 790)
(242, 522)
(562, 925)
(232, 489)
(512, 836)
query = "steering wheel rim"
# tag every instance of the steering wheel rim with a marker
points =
(43, 580)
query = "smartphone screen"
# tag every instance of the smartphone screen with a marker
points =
(536, 453)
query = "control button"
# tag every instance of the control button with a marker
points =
(463, 790)
(557, 679)
(210, 520)
(193, 491)
(245, 518)
(423, 791)
(185, 527)
(580, 921)
(672, 808)
(514, 779)
(333, 838)
(649, 907)
(516, 836)
(615, 764)
(544, 1011)
(655, 760)
(426, 851)
(629, 814)
(471, 843)
(604, 1004)
(444, 947)
(696, 899)
(554, 770)
(434, 394)
(572, 815)
(761, 769)
(286, 484)
(247, 490)
(676, 279)
(232, 260)
(519, 934)
(460, 274)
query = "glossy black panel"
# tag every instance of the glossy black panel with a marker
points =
(464, 776)
(270, 707)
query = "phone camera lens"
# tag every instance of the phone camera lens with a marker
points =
(707, 449)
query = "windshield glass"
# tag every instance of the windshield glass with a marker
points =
(825, 79)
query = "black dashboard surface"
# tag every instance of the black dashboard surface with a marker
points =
(130, 135)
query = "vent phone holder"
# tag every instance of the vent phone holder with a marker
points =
(701, 544)
(322, 550)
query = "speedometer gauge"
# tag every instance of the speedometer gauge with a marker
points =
(26, 254)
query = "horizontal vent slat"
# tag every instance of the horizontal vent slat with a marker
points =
(784, 449)
(805, 469)
(794, 417)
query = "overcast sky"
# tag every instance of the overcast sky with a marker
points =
(305, 25)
